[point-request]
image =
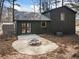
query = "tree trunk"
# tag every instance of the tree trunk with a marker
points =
(62, 2)
(40, 6)
(1, 8)
(13, 9)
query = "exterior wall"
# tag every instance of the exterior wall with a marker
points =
(70, 22)
(67, 26)
(35, 27)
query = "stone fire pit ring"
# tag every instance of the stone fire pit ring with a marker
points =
(34, 42)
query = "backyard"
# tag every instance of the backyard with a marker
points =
(68, 48)
(18, 17)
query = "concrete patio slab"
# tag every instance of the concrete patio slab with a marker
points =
(22, 45)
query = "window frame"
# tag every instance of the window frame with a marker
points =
(62, 16)
(44, 23)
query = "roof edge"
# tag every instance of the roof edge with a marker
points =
(60, 7)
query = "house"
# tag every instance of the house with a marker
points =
(60, 19)
(32, 23)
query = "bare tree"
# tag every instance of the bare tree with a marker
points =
(1, 8)
(73, 3)
(62, 2)
(40, 6)
(46, 4)
(12, 3)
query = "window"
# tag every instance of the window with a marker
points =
(43, 24)
(62, 16)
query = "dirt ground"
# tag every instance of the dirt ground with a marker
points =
(68, 48)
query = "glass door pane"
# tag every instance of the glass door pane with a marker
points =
(28, 27)
(23, 25)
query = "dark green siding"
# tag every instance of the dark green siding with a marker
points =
(35, 27)
(67, 26)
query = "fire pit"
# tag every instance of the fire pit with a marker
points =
(34, 42)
